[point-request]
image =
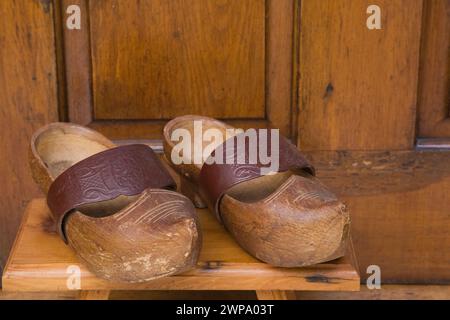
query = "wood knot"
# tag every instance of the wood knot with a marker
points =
(328, 90)
(318, 278)
(48, 225)
(46, 5)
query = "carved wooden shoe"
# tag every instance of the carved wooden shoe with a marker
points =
(114, 205)
(287, 218)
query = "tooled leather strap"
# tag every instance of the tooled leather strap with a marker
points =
(126, 170)
(216, 179)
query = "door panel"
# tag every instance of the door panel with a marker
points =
(358, 86)
(160, 59)
(434, 88)
(136, 64)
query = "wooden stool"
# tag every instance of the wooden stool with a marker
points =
(40, 261)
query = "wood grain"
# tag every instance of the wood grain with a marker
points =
(143, 129)
(230, 59)
(156, 59)
(400, 210)
(387, 292)
(94, 295)
(28, 101)
(434, 78)
(61, 295)
(275, 295)
(358, 86)
(75, 46)
(134, 295)
(223, 265)
(280, 61)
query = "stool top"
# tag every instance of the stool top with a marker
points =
(40, 261)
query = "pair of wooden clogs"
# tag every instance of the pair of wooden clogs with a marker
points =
(118, 209)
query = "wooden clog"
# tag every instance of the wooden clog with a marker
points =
(286, 219)
(113, 205)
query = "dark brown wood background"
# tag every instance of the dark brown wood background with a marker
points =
(356, 100)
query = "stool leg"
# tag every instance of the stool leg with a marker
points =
(275, 295)
(94, 295)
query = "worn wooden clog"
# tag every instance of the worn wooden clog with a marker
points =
(114, 205)
(288, 218)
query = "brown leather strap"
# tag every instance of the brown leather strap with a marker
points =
(215, 179)
(126, 170)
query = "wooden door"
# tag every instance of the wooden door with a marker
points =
(135, 64)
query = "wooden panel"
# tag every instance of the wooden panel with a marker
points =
(281, 56)
(77, 65)
(400, 211)
(434, 85)
(358, 86)
(140, 100)
(28, 101)
(39, 254)
(158, 59)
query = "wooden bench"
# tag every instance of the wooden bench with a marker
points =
(40, 261)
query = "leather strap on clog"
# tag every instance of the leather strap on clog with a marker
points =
(216, 179)
(126, 170)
